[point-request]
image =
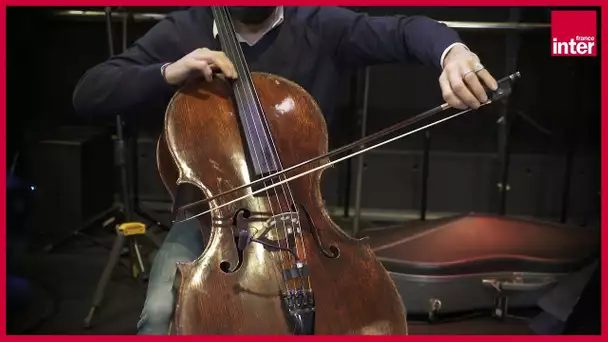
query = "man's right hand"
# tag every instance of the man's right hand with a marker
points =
(199, 62)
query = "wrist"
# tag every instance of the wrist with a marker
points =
(453, 50)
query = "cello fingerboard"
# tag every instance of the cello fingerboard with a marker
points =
(262, 154)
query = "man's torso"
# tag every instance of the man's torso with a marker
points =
(293, 50)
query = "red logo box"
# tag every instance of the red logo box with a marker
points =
(574, 33)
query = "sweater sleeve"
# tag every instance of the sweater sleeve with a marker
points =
(131, 80)
(358, 39)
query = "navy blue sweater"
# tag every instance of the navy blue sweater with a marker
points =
(313, 47)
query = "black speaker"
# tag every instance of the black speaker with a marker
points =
(72, 173)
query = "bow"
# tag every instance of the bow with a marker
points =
(504, 89)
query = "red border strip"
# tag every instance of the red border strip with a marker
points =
(479, 3)
(552, 3)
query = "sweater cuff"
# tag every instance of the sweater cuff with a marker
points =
(445, 52)
(152, 75)
(162, 70)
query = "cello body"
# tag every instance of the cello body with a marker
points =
(228, 290)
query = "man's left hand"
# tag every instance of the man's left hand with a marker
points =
(463, 79)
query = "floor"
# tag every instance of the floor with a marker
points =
(65, 279)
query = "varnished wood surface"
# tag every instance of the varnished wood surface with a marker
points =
(202, 145)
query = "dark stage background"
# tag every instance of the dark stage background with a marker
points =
(553, 169)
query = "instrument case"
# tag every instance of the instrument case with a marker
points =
(480, 262)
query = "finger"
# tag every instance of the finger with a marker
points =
(204, 68)
(200, 53)
(225, 65)
(448, 95)
(203, 50)
(455, 76)
(487, 79)
(216, 69)
(216, 59)
(475, 87)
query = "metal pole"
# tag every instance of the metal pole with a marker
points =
(110, 35)
(133, 186)
(425, 175)
(125, 22)
(504, 129)
(348, 177)
(347, 186)
(360, 165)
(120, 143)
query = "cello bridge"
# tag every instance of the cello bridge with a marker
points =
(284, 226)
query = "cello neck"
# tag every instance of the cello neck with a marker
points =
(230, 43)
(261, 152)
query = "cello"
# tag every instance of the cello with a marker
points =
(275, 263)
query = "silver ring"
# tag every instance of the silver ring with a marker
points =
(479, 67)
(467, 73)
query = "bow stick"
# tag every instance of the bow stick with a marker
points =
(504, 89)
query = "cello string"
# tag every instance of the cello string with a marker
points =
(253, 109)
(267, 135)
(296, 228)
(246, 105)
(342, 159)
(226, 23)
(231, 48)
